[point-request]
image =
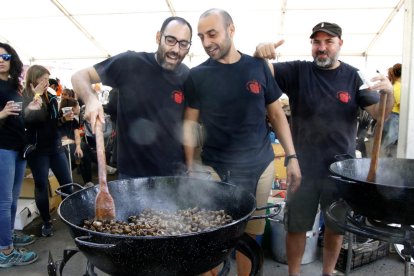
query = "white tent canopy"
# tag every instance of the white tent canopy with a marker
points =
(71, 34)
(67, 35)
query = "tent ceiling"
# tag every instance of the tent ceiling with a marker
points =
(69, 31)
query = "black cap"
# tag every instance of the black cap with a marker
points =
(326, 27)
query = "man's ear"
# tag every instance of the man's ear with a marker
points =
(158, 38)
(232, 29)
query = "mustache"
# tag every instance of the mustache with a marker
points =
(321, 52)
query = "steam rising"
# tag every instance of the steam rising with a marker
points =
(176, 193)
(143, 132)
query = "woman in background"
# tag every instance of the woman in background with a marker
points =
(391, 125)
(70, 133)
(41, 117)
(12, 166)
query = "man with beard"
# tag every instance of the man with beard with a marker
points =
(324, 98)
(150, 102)
(231, 93)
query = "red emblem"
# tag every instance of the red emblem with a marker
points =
(178, 96)
(254, 87)
(344, 96)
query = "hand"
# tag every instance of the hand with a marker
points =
(36, 104)
(294, 176)
(69, 116)
(267, 49)
(40, 88)
(9, 109)
(382, 83)
(93, 112)
(78, 152)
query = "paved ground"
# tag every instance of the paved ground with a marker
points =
(390, 265)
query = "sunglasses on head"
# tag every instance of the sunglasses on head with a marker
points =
(6, 57)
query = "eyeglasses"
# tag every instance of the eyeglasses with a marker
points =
(171, 41)
(6, 57)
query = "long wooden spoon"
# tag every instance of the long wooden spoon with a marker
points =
(372, 173)
(104, 203)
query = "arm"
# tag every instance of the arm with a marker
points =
(78, 149)
(190, 136)
(384, 85)
(267, 50)
(81, 82)
(280, 125)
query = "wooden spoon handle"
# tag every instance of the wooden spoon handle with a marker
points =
(377, 139)
(100, 152)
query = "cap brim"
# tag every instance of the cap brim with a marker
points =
(325, 31)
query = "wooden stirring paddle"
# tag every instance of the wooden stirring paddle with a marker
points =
(104, 203)
(372, 173)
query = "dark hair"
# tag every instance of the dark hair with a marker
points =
(53, 82)
(227, 20)
(68, 103)
(16, 66)
(176, 18)
(394, 72)
(70, 92)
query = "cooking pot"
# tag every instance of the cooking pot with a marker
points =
(390, 198)
(185, 254)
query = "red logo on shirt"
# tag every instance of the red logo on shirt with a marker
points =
(343, 96)
(254, 87)
(178, 96)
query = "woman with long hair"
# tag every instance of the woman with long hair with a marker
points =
(41, 116)
(12, 165)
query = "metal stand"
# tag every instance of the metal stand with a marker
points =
(349, 256)
(66, 143)
(373, 229)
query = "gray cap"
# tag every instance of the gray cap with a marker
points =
(326, 27)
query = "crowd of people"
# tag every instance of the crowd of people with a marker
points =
(159, 104)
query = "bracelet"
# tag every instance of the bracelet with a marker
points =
(287, 158)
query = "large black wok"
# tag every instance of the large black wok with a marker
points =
(390, 198)
(186, 254)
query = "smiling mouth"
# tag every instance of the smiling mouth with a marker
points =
(173, 57)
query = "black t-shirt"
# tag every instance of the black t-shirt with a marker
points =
(232, 100)
(324, 106)
(150, 113)
(68, 129)
(12, 135)
(42, 125)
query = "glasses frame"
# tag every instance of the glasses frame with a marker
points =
(6, 57)
(180, 45)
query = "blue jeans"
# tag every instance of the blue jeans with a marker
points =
(39, 165)
(12, 168)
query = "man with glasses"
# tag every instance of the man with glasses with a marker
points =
(150, 102)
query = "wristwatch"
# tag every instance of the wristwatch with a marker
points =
(287, 158)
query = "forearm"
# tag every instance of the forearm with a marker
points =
(189, 142)
(190, 135)
(77, 138)
(82, 81)
(375, 109)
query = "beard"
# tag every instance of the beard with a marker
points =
(325, 63)
(174, 61)
(222, 49)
